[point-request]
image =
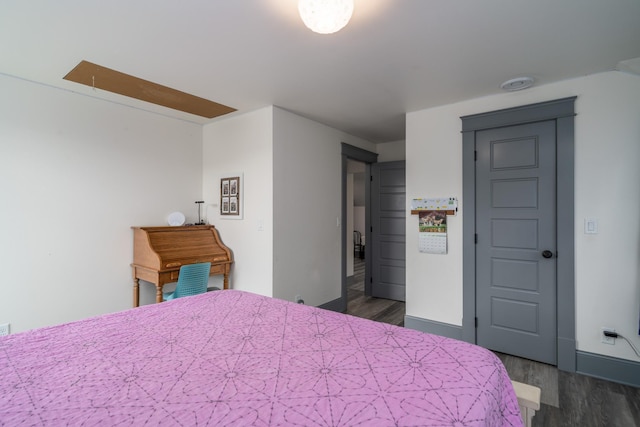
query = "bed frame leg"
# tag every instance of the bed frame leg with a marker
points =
(528, 399)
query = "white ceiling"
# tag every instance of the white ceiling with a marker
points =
(395, 56)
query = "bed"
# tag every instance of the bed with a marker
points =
(239, 359)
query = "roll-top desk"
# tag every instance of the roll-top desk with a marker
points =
(159, 252)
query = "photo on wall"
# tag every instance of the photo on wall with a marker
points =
(230, 196)
(432, 236)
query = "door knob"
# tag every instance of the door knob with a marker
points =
(547, 254)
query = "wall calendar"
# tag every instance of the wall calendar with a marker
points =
(432, 223)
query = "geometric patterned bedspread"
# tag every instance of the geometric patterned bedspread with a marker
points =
(232, 358)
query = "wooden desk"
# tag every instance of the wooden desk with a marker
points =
(159, 252)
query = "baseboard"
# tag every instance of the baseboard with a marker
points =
(433, 327)
(336, 305)
(608, 368)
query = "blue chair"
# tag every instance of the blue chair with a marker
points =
(192, 280)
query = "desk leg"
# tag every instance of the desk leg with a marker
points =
(136, 292)
(226, 281)
(158, 293)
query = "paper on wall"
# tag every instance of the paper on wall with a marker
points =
(432, 236)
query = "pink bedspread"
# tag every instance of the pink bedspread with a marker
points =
(234, 358)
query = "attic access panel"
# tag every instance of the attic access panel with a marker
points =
(103, 78)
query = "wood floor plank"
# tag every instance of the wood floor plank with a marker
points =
(534, 373)
(378, 309)
(632, 395)
(586, 401)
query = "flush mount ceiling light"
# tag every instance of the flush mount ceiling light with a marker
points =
(518, 83)
(325, 16)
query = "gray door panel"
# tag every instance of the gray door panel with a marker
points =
(515, 223)
(388, 212)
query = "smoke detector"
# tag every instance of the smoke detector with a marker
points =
(518, 83)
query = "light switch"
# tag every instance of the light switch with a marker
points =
(590, 226)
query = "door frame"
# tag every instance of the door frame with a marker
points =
(563, 112)
(366, 157)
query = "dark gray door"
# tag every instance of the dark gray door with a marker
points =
(516, 240)
(388, 213)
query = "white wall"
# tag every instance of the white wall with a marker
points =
(75, 174)
(243, 144)
(307, 172)
(359, 220)
(607, 177)
(391, 151)
(292, 185)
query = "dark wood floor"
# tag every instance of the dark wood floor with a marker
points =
(567, 399)
(378, 309)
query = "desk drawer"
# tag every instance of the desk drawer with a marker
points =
(178, 264)
(217, 269)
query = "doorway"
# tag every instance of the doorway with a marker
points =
(480, 263)
(383, 238)
(356, 221)
(352, 153)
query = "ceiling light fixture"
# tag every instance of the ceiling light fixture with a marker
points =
(518, 83)
(325, 16)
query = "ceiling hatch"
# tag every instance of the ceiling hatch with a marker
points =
(99, 77)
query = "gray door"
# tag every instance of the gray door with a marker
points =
(388, 212)
(516, 240)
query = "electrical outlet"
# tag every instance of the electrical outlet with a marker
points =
(4, 329)
(606, 339)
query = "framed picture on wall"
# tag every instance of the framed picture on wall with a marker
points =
(233, 186)
(230, 196)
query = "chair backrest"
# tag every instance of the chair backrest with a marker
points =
(193, 279)
(357, 237)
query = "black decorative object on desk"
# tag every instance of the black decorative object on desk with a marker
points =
(199, 203)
